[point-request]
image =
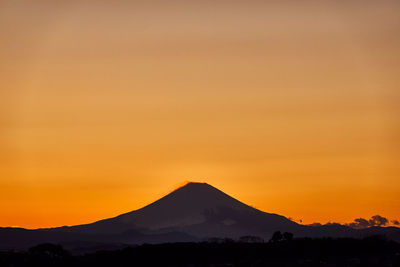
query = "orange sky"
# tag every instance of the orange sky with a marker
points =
(290, 106)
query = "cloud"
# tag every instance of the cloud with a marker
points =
(378, 220)
(396, 222)
(359, 223)
(375, 220)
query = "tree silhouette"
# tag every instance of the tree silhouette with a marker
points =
(372, 251)
(288, 236)
(251, 239)
(276, 237)
(49, 250)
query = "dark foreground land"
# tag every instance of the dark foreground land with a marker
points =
(372, 251)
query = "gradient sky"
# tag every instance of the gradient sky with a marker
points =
(289, 106)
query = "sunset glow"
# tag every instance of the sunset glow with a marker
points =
(289, 106)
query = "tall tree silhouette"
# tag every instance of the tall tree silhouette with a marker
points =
(276, 237)
(287, 236)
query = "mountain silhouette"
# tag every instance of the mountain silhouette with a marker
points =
(197, 209)
(194, 212)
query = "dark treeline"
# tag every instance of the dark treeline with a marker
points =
(372, 251)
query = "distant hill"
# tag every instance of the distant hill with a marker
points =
(194, 212)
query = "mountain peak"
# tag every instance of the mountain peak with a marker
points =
(186, 205)
(195, 185)
(201, 194)
(196, 191)
(197, 209)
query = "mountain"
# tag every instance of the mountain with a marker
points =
(194, 212)
(197, 209)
